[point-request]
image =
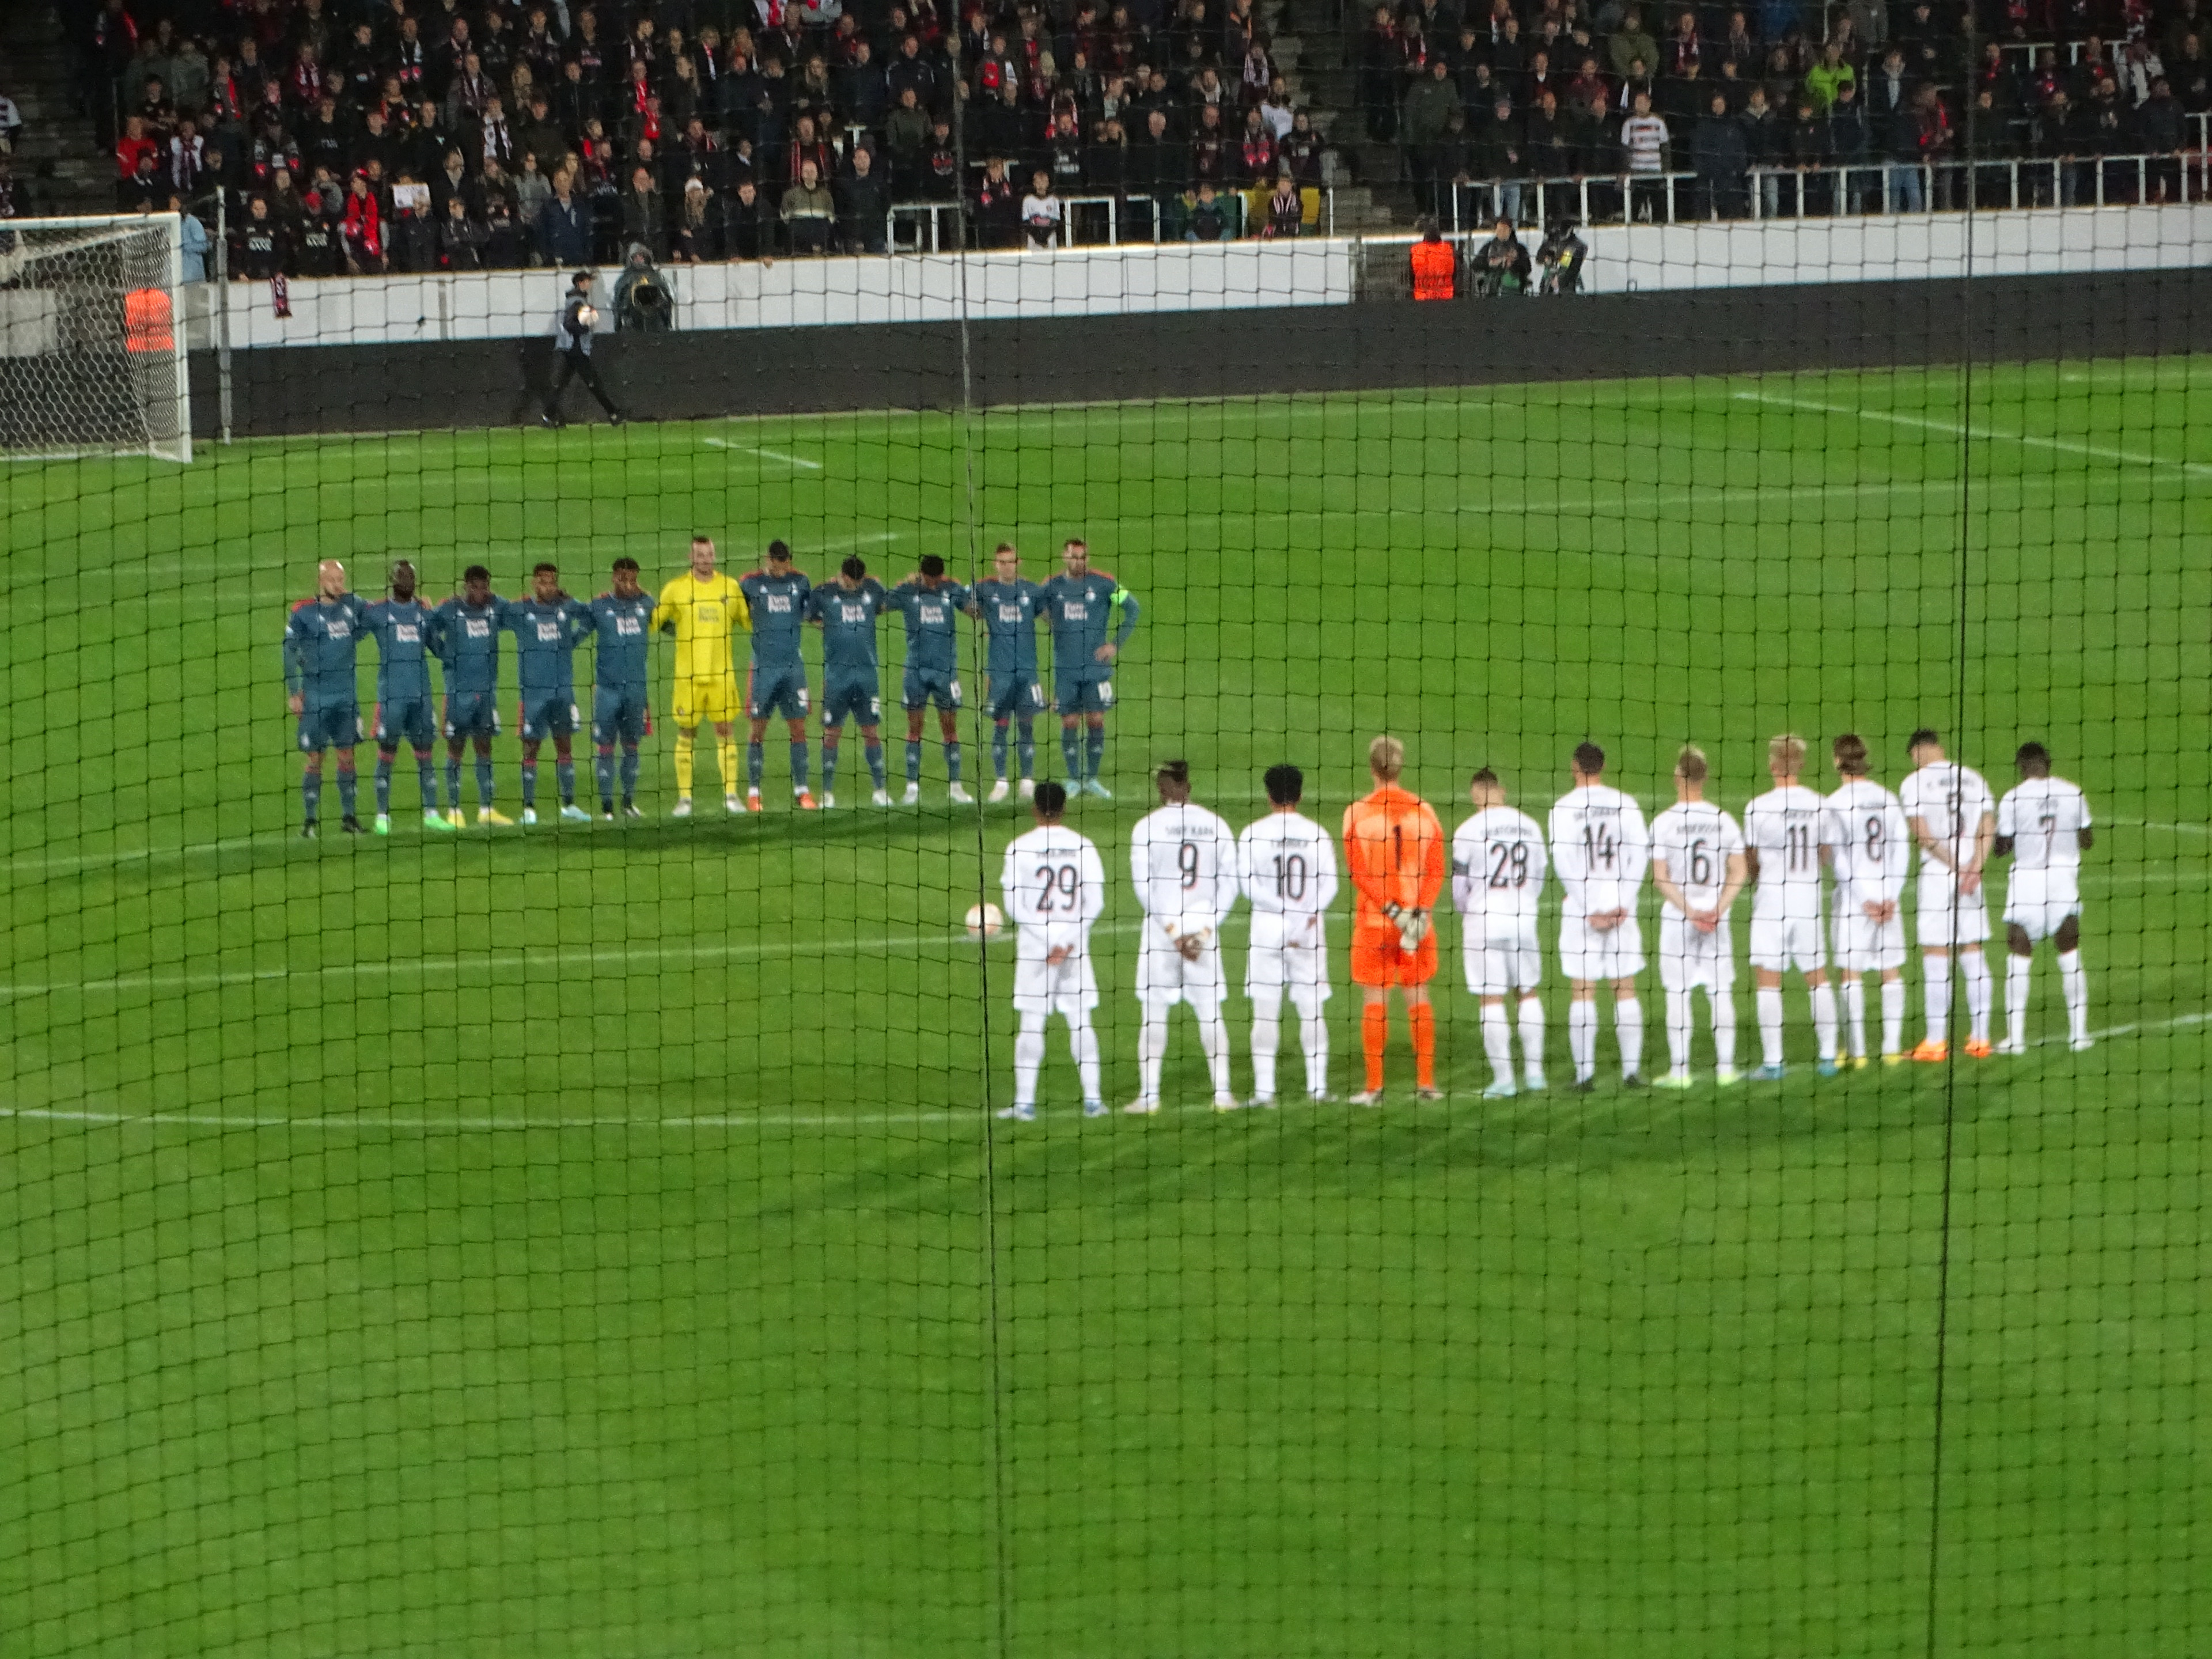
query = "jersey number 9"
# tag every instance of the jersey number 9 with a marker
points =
(1187, 861)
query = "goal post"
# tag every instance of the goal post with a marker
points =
(92, 337)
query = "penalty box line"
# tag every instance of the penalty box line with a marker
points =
(93, 1118)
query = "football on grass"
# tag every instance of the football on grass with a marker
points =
(984, 921)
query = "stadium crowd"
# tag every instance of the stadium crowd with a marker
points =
(463, 135)
(1861, 106)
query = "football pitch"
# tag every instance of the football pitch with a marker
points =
(595, 1242)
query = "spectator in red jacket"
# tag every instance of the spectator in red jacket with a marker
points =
(363, 230)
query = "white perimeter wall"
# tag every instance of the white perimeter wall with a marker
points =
(1238, 275)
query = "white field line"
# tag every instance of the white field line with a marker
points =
(365, 1124)
(2173, 829)
(440, 967)
(765, 454)
(1989, 435)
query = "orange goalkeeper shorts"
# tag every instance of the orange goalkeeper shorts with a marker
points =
(1378, 958)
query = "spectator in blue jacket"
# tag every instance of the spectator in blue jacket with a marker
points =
(564, 224)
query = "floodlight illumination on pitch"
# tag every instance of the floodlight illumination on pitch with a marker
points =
(73, 380)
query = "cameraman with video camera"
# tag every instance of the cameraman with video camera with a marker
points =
(643, 301)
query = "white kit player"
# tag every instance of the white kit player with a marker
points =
(1498, 864)
(1054, 887)
(1287, 865)
(1787, 841)
(1954, 818)
(1873, 857)
(1698, 863)
(1183, 860)
(1602, 848)
(2044, 826)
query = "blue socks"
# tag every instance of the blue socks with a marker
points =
(629, 774)
(383, 784)
(427, 776)
(998, 750)
(876, 763)
(828, 766)
(952, 761)
(453, 781)
(1025, 751)
(798, 764)
(311, 794)
(1096, 751)
(913, 760)
(483, 784)
(603, 768)
(348, 785)
(564, 773)
(755, 763)
(1071, 751)
(530, 783)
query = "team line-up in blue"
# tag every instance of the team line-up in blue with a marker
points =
(1090, 614)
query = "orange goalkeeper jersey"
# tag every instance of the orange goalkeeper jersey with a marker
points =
(1394, 850)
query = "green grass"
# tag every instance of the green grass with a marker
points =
(594, 1241)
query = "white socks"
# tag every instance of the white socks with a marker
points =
(1723, 1028)
(1936, 997)
(1893, 1016)
(1769, 1003)
(1313, 1032)
(1824, 1019)
(1532, 1041)
(1628, 1028)
(1498, 1043)
(1854, 1015)
(2076, 978)
(1083, 1040)
(2017, 969)
(1678, 1030)
(1151, 1049)
(1213, 1038)
(1266, 1039)
(1979, 985)
(1581, 1037)
(1028, 1059)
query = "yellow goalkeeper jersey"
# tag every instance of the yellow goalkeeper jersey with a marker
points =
(705, 615)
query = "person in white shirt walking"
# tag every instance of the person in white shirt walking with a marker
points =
(1286, 864)
(1053, 886)
(1602, 848)
(1699, 867)
(2043, 827)
(1954, 818)
(1873, 857)
(1497, 865)
(1183, 860)
(1788, 837)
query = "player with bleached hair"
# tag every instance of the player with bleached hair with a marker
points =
(1873, 858)
(1183, 860)
(1698, 864)
(1053, 884)
(1287, 865)
(1602, 848)
(2043, 827)
(1954, 818)
(1788, 838)
(1497, 866)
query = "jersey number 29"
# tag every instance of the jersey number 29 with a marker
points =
(1060, 888)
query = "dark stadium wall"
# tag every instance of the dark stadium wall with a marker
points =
(1380, 346)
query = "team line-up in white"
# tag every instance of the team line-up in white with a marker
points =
(1827, 874)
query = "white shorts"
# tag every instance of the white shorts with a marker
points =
(1165, 977)
(1864, 946)
(1070, 990)
(1500, 955)
(1949, 918)
(1272, 967)
(1782, 943)
(1585, 954)
(1688, 958)
(2037, 902)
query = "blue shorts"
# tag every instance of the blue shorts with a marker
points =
(777, 689)
(409, 718)
(329, 725)
(855, 695)
(1012, 696)
(549, 714)
(925, 686)
(618, 714)
(1085, 696)
(473, 715)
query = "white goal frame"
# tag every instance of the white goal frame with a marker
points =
(169, 405)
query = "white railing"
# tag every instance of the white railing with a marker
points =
(1864, 187)
(937, 227)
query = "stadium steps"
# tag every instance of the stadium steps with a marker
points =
(1370, 194)
(59, 160)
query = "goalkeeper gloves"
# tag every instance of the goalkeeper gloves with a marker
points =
(1413, 925)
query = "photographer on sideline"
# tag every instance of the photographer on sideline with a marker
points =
(643, 300)
(571, 352)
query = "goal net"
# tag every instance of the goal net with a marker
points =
(92, 341)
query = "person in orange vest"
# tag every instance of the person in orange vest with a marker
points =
(1435, 266)
(148, 321)
(1394, 849)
